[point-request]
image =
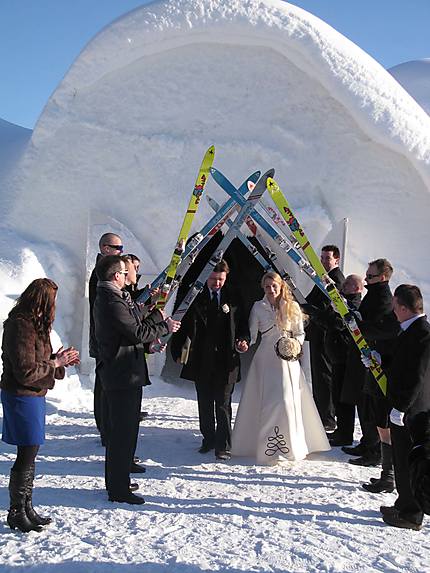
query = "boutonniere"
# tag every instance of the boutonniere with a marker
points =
(225, 308)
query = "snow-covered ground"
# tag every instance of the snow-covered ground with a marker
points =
(200, 515)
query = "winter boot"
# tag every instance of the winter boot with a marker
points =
(17, 518)
(32, 514)
(386, 482)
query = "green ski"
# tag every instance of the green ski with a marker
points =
(186, 226)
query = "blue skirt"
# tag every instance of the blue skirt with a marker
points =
(23, 419)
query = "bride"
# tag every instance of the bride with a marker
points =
(277, 418)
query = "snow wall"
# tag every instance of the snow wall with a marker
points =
(118, 144)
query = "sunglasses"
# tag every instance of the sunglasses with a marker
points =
(116, 247)
(370, 276)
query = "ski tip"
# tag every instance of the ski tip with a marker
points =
(212, 202)
(270, 173)
(211, 150)
(270, 184)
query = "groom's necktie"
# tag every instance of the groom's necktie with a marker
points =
(214, 300)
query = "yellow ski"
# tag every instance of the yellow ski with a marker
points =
(186, 226)
(348, 317)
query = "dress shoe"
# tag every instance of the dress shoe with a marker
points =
(128, 498)
(137, 469)
(366, 461)
(204, 449)
(224, 456)
(358, 450)
(143, 415)
(379, 486)
(133, 486)
(388, 510)
(395, 520)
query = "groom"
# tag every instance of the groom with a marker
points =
(212, 334)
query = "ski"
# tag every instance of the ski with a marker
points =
(196, 244)
(200, 282)
(348, 317)
(186, 226)
(273, 257)
(281, 241)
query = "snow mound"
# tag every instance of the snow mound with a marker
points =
(414, 76)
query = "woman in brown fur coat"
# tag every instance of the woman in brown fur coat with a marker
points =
(29, 371)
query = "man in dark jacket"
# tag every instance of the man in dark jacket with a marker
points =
(206, 346)
(408, 393)
(109, 244)
(337, 344)
(379, 326)
(321, 367)
(122, 340)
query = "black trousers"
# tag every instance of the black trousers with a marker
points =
(366, 414)
(123, 407)
(214, 401)
(322, 384)
(99, 407)
(406, 503)
(345, 413)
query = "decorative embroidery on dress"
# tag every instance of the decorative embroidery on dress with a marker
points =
(276, 443)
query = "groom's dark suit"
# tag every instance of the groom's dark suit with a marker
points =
(212, 326)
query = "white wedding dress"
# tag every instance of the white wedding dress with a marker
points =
(277, 418)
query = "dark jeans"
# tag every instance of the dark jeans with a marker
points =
(123, 408)
(322, 384)
(406, 503)
(214, 401)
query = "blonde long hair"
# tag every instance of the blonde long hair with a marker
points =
(287, 309)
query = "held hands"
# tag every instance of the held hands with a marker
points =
(157, 346)
(67, 357)
(155, 293)
(241, 346)
(374, 357)
(173, 325)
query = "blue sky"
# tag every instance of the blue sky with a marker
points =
(40, 39)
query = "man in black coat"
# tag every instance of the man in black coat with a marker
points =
(122, 340)
(409, 396)
(109, 244)
(337, 344)
(379, 326)
(207, 346)
(321, 367)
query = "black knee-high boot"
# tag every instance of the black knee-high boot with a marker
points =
(32, 514)
(17, 517)
(386, 481)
